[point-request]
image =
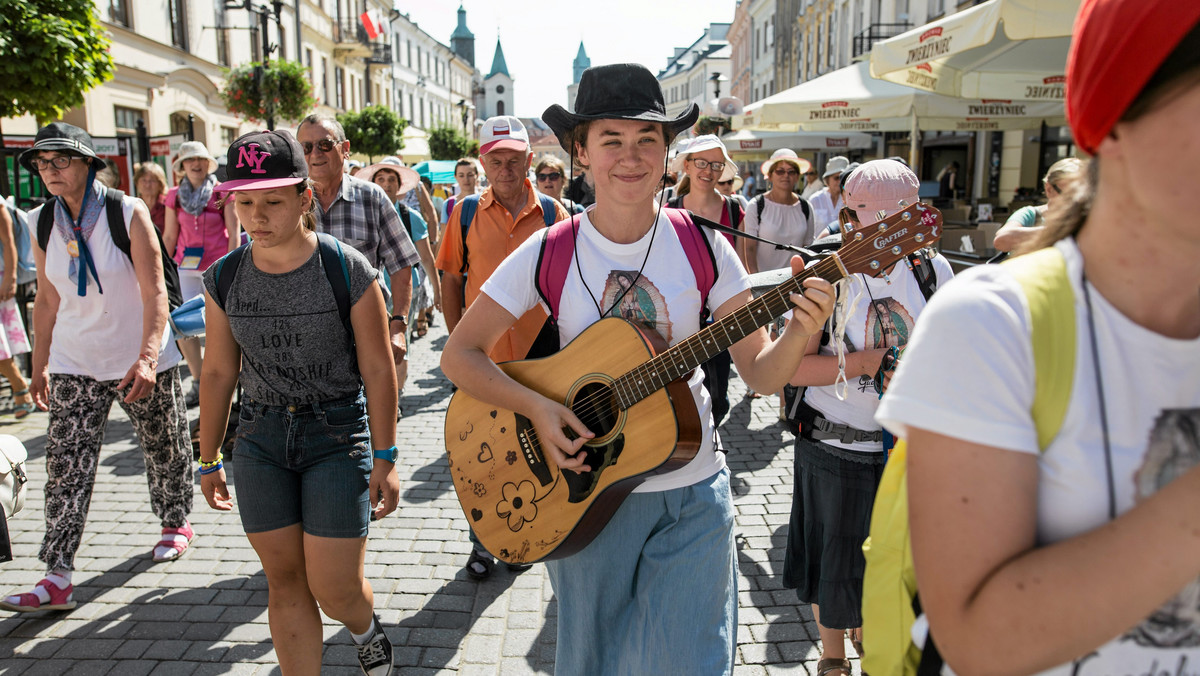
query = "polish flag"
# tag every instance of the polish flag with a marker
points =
(373, 23)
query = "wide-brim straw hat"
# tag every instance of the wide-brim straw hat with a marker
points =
(621, 91)
(409, 178)
(785, 155)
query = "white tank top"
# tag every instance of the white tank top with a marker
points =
(99, 335)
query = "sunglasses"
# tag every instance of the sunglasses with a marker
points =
(58, 162)
(552, 176)
(325, 145)
(785, 172)
(810, 173)
(729, 182)
(705, 164)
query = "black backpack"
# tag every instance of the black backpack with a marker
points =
(731, 207)
(120, 236)
(760, 203)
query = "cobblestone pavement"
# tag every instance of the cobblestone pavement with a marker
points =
(207, 612)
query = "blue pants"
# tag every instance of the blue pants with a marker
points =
(656, 591)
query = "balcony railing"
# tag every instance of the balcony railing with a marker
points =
(876, 32)
(350, 30)
(380, 53)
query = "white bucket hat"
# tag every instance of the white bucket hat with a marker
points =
(192, 149)
(785, 155)
(700, 144)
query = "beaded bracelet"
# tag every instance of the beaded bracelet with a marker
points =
(211, 469)
(215, 461)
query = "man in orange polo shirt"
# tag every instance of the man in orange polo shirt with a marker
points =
(508, 212)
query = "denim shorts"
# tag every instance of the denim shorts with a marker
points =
(308, 464)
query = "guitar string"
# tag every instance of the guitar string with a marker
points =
(737, 317)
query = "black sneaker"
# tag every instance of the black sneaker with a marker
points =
(375, 656)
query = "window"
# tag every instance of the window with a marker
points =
(118, 12)
(412, 109)
(180, 124)
(936, 8)
(177, 9)
(500, 108)
(228, 135)
(126, 120)
(308, 63)
(499, 89)
(283, 42)
(339, 87)
(324, 90)
(408, 59)
(422, 125)
(222, 36)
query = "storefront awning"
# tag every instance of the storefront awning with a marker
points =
(1002, 49)
(747, 141)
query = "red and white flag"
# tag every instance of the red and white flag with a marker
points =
(372, 21)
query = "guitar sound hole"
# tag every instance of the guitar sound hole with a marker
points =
(596, 407)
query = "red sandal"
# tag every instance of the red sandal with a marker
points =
(29, 602)
(174, 542)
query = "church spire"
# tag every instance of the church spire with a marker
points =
(498, 65)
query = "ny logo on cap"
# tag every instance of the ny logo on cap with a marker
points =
(250, 154)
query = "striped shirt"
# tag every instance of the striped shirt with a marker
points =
(363, 217)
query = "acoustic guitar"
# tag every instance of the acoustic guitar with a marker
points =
(632, 393)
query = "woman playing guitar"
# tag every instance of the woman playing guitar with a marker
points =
(656, 590)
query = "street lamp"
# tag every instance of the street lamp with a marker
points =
(462, 107)
(716, 79)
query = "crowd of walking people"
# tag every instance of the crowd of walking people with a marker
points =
(1037, 428)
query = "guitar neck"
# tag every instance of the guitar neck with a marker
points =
(676, 362)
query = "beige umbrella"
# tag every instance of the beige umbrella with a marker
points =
(1010, 50)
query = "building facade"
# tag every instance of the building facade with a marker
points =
(693, 73)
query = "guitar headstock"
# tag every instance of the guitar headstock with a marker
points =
(870, 250)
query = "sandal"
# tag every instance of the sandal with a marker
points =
(46, 595)
(855, 638)
(833, 664)
(174, 542)
(20, 410)
(479, 566)
(422, 328)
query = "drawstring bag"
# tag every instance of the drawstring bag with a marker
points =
(12, 475)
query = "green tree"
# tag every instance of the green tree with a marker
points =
(279, 89)
(374, 130)
(51, 52)
(448, 143)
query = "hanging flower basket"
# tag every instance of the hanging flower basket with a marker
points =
(281, 90)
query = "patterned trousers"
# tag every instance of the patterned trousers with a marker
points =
(79, 408)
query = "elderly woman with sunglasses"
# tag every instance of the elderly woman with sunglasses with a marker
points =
(782, 217)
(101, 324)
(551, 179)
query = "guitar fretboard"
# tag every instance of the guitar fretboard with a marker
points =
(676, 362)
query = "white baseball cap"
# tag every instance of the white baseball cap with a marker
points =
(503, 132)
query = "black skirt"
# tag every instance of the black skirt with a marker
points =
(833, 494)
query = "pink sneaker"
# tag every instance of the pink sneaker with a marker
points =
(174, 543)
(45, 596)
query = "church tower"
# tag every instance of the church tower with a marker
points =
(462, 40)
(580, 64)
(498, 86)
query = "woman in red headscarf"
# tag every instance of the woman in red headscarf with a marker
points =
(1075, 552)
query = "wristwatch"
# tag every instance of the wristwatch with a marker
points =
(389, 454)
(400, 318)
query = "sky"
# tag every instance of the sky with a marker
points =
(541, 38)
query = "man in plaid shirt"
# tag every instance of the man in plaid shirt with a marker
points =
(359, 214)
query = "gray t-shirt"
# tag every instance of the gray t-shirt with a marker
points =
(294, 347)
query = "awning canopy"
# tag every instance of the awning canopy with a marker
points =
(416, 146)
(850, 99)
(766, 141)
(439, 171)
(1003, 49)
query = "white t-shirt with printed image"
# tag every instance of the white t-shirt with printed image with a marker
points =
(665, 298)
(969, 374)
(881, 313)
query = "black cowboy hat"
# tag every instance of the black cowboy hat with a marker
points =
(64, 137)
(621, 91)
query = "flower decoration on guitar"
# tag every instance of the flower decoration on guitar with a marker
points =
(517, 504)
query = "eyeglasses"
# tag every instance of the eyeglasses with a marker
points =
(552, 176)
(58, 162)
(705, 164)
(785, 172)
(729, 182)
(810, 173)
(325, 145)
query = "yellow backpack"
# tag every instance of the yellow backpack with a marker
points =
(890, 586)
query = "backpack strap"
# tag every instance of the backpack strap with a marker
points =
(921, 264)
(1043, 278)
(699, 254)
(760, 203)
(405, 217)
(227, 268)
(553, 264)
(548, 210)
(46, 222)
(804, 206)
(333, 260)
(469, 204)
(735, 211)
(116, 220)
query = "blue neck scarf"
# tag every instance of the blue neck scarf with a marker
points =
(80, 230)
